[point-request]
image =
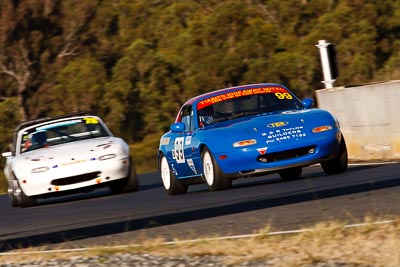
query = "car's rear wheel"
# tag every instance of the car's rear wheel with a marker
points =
(172, 185)
(128, 184)
(213, 175)
(291, 174)
(339, 163)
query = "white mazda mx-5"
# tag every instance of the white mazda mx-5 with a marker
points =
(66, 154)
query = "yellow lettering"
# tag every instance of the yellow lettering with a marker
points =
(91, 120)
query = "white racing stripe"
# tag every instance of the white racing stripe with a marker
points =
(187, 241)
(372, 163)
(362, 163)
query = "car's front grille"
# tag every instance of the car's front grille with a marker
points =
(76, 179)
(287, 154)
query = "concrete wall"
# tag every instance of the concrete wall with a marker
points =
(369, 116)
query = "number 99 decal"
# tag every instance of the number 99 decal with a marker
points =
(283, 96)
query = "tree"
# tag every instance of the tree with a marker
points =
(136, 62)
(79, 87)
(17, 65)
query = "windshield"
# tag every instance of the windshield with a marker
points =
(244, 103)
(60, 132)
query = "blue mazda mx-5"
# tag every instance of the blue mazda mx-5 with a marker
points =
(247, 131)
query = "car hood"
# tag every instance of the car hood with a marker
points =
(276, 126)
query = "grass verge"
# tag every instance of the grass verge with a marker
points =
(3, 183)
(326, 243)
(144, 154)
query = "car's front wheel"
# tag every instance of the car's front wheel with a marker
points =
(213, 175)
(13, 200)
(171, 185)
(18, 197)
(291, 174)
(339, 163)
(26, 201)
(12, 187)
(128, 184)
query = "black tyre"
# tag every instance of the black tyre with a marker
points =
(339, 163)
(25, 201)
(214, 177)
(128, 184)
(17, 196)
(12, 187)
(172, 185)
(13, 200)
(291, 174)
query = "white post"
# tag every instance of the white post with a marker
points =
(323, 49)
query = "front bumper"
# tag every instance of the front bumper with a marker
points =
(74, 176)
(249, 161)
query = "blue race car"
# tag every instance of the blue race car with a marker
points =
(246, 131)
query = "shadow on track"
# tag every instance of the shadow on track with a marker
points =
(186, 216)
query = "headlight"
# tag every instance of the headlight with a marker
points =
(40, 169)
(245, 143)
(108, 156)
(320, 129)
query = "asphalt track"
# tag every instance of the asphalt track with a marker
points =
(98, 218)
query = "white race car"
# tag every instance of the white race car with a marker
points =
(66, 154)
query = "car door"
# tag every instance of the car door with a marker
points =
(182, 151)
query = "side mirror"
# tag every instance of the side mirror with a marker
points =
(308, 102)
(177, 127)
(6, 154)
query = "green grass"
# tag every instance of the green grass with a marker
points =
(144, 154)
(3, 183)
